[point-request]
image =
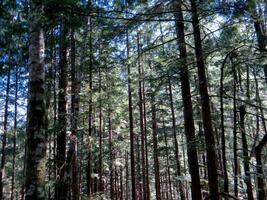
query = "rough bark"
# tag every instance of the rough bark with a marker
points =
(61, 189)
(188, 110)
(205, 104)
(247, 178)
(36, 113)
(75, 90)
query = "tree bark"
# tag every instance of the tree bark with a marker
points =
(247, 178)
(188, 110)
(205, 103)
(155, 151)
(36, 113)
(61, 187)
(131, 127)
(75, 90)
(3, 156)
(14, 136)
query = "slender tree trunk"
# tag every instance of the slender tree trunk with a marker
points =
(225, 173)
(175, 141)
(61, 187)
(131, 127)
(235, 137)
(155, 152)
(14, 136)
(261, 192)
(3, 158)
(89, 161)
(141, 122)
(247, 180)
(145, 134)
(75, 90)
(168, 163)
(205, 103)
(188, 110)
(36, 113)
(111, 156)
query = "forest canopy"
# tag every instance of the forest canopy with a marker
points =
(141, 100)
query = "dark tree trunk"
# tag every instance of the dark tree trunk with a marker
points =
(261, 192)
(235, 136)
(169, 184)
(225, 173)
(36, 113)
(90, 118)
(205, 103)
(131, 127)
(61, 189)
(155, 152)
(75, 90)
(143, 154)
(175, 142)
(14, 136)
(145, 133)
(188, 110)
(247, 178)
(3, 158)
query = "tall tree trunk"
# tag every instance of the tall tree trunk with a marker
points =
(61, 187)
(188, 110)
(36, 113)
(247, 178)
(141, 121)
(145, 133)
(14, 136)
(131, 127)
(261, 192)
(75, 90)
(155, 151)
(100, 167)
(205, 103)
(176, 148)
(225, 173)
(235, 136)
(112, 192)
(3, 158)
(168, 163)
(90, 116)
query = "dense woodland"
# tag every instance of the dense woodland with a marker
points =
(127, 99)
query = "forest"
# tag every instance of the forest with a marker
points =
(133, 99)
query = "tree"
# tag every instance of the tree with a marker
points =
(36, 113)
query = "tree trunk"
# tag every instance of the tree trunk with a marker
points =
(247, 178)
(176, 148)
(188, 110)
(90, 116)
(168, 164)
(205, 103)
(3, 158)
(36, 113)
(155, 152)
(235, 136)
(75, 90)
(225, 173)
(131, 127)
(141, 121)
(61, 188)
(14, 136)
(261, 193)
